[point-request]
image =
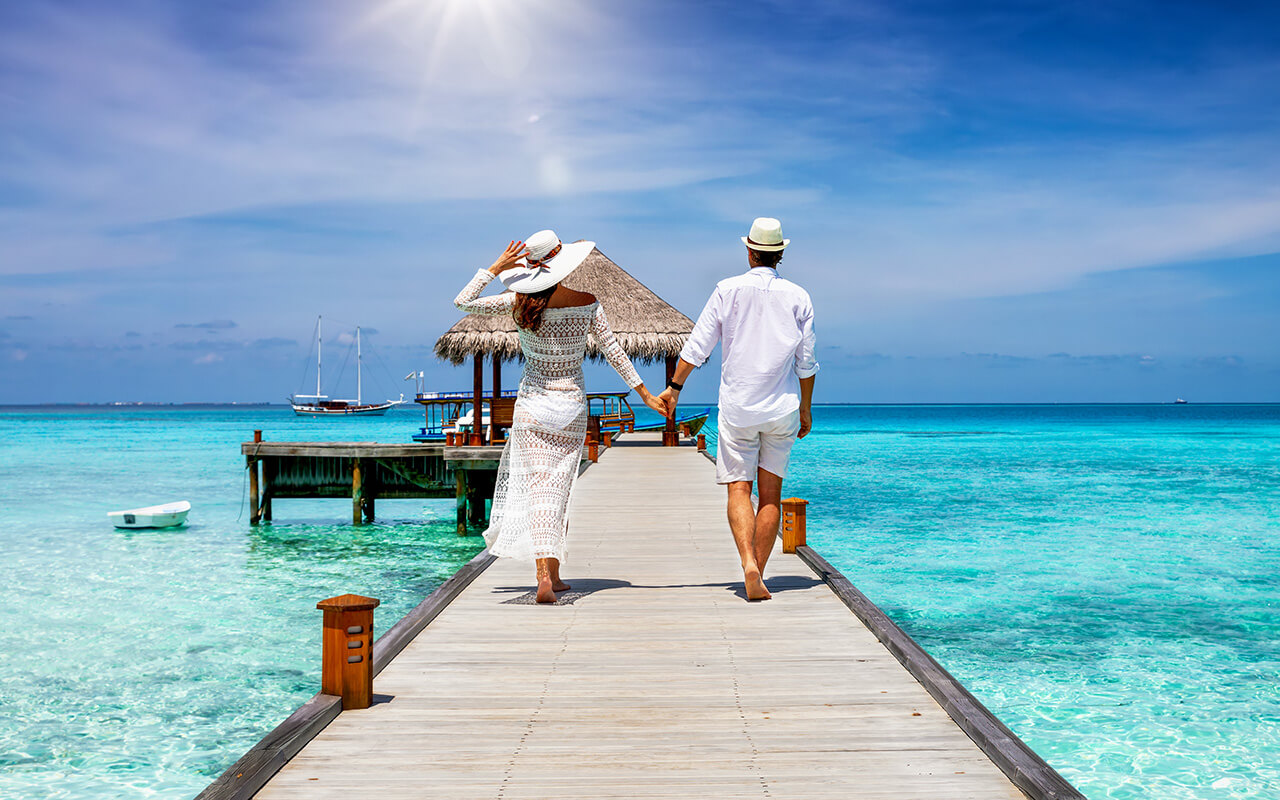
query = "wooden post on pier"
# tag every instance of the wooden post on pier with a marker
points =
(702, 443)
(251, 462)
(460, 475)
(357, 491)
(793, 524)
(497, 393)
(593, 438)
(670, 438)
(347, 649)
(268, 480)
(477, 413)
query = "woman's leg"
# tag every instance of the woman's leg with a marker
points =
(545, 593)
(553, 566)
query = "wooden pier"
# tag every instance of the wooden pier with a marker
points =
(652, 677)
(366, 471)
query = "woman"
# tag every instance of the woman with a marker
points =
(540, 461)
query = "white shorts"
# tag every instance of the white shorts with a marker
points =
(767, 446)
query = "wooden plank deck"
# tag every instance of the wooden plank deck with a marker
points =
(652, 678)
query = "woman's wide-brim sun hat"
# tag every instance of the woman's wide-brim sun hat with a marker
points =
(766, 235)
(549, 262)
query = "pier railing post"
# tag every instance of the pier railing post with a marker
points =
(702, 443)
(357, 492)
(593, 438)
(793, 523)
(347, 649)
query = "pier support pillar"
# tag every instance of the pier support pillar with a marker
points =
(702, 443)
(477, 409)
(357, 491)
(347, 649)
(669, 436)
(497, 393)
(251, 464)
(793, 524)
(460, 476)
(268, 480)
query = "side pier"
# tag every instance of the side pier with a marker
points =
(366, 471)
(651, 677)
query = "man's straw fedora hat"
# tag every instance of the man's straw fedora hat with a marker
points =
(766, 235)
(549, 262)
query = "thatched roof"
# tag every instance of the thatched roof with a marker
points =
(647, 327)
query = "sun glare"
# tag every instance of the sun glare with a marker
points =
(495, 31)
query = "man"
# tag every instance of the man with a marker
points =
(765, 326)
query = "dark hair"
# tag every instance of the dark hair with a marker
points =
(764, 258)
(529, 307)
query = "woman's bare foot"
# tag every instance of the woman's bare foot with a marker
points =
(546, 594)
(553, 569)
(756, 589)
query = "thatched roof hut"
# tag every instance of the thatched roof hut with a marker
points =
(648, 328)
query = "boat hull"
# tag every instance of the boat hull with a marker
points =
(346, 411)
(170, 515)
(694, 421)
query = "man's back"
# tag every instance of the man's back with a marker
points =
(765, 324)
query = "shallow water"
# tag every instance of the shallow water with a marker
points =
(148, 661)
(1103, 578)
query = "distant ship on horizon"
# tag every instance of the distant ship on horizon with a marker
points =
(322, 405)
(1179, 402)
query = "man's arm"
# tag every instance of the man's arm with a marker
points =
(806, 368)
(698, 347)
(806, 405)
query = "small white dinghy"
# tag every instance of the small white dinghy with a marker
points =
(168, 515)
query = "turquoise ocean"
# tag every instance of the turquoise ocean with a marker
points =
(1104, 578)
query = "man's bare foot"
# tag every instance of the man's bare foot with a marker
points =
(756, 589)
(560, 586)
(545, 593)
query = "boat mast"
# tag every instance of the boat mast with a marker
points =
(319, 347)
(358, 362)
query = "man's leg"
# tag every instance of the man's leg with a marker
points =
(769, 487)
(742, 519)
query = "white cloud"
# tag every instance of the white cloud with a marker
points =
(207, 358)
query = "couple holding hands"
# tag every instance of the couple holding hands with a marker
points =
(764, 325)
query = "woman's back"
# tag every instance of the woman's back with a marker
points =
(553, 354)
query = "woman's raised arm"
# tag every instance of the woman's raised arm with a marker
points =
(469, 298)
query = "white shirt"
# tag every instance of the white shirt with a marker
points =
(765, 326)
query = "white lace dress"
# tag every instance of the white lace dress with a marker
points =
(540, 460)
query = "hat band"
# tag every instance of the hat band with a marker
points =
(763, 244)
(541, 261)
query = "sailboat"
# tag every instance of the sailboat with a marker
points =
(322, 405)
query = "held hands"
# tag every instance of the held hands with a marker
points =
(659, 404)
(514, 252)
(671, 397)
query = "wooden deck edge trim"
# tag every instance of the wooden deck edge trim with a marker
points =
(260, 763)
(340, 449)
(388, 645)
(1023, 766)
(710, 457)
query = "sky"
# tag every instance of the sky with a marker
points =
(988, 201)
